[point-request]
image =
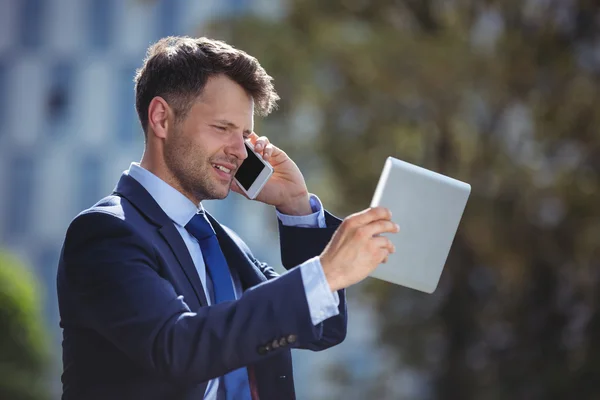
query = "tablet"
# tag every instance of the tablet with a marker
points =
(428, 207)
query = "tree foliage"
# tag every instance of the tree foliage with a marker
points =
(23, 351)
(500, 94)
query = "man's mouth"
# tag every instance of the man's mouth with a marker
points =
(226, 169)
(222, 168)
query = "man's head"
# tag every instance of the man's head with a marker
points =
(196, 100)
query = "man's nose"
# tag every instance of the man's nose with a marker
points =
(238, 149)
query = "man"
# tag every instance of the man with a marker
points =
(157, 299)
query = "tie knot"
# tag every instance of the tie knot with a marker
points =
(200, 227)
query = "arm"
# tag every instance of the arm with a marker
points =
(112, 276)
(287, 191)
(299, 244)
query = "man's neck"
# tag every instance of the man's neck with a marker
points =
(164, 173)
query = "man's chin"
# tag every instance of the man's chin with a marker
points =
(222, 195)
(220, 192)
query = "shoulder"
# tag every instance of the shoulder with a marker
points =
(106, 231)
(112, 205)
(112, 216)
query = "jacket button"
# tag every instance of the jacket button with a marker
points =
(291, 339)
(262, 350)
(275, 344)
(268, 347)
(283, 342)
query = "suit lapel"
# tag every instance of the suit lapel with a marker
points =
(179, 249)
(133, 191)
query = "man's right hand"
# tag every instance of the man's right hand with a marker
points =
(356, 248)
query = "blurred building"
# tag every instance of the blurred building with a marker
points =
(68, 125)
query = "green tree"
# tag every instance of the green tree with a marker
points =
(23, 351)
(501, 94)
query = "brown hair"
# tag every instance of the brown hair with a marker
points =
(177, 68)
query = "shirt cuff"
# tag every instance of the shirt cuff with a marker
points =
(322, 302)
(314, 220)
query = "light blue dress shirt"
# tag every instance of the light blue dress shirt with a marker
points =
(321, 301)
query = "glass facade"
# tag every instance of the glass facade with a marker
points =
(59, 98)
(31, 22)
(128, 128)
(100, 23)
(89, 187)
(168, 16)
(3, 94)
(20, 194)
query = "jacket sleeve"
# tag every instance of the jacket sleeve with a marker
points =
(112, 277)
(301, 244)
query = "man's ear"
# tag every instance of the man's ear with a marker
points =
(158, 117)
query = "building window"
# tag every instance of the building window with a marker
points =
(90, 182)
(3, 95)
(237, 6)
(58, 102)
(168, 18)
(20, 196)
(128, 127)
(100, 23)
(31, 22)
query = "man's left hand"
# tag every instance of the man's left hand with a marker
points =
(286, 189)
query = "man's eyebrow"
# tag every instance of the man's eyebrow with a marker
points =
(232, 125)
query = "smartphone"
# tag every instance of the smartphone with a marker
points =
(254, 172)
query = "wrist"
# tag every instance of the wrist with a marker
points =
(330, 275)
(298, 206)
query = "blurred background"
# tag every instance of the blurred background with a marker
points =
(500, 94)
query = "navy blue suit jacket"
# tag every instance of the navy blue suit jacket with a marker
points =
(134, 314)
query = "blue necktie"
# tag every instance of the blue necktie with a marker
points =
(237, 385)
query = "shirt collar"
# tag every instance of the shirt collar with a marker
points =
(177, 207)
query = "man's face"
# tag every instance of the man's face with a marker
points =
(204, 151)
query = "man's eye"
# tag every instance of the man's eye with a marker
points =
(221, 128)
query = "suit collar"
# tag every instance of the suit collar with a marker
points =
(137, 195)
(178, 207)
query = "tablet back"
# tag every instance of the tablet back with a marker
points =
(428, 207)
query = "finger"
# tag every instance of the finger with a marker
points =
(369, 215)
(380, 226)
(382, 242)
(260, 144)
(253, 137)
(383, 257)
(269, 148)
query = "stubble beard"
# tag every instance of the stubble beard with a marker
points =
(192, 170)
